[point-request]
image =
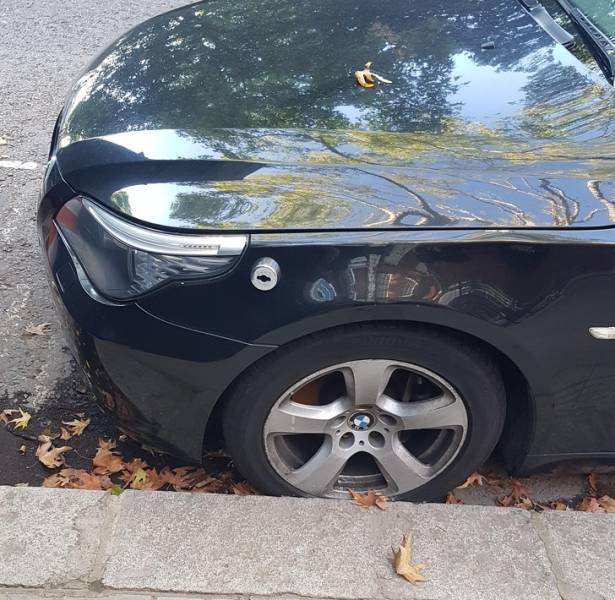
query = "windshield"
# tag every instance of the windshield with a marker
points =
(600, 12)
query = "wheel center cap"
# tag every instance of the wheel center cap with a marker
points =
(361, 421)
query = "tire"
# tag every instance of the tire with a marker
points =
(458, 375)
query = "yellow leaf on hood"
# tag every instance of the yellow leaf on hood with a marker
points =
(22, 421)
(402, 561)
(50, 456)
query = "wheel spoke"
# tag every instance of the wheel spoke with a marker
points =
(319, 474)
(400, 468)
(291, 417)
(366, 380)
(444, 412)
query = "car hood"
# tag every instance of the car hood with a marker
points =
(246, 116)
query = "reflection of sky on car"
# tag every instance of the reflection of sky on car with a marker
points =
(505, 88)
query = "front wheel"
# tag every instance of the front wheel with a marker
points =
(407, 412)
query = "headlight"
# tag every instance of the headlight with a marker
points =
(124, 260)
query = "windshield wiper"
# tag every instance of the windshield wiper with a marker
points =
(542, 16)
(600, 45)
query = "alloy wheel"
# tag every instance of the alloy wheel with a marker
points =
(365, 424)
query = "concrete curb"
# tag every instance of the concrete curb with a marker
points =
(78, 544)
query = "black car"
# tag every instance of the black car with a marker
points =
(366, 242)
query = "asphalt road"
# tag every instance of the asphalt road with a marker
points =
(43, 47)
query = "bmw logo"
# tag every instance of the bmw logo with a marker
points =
(361, 421)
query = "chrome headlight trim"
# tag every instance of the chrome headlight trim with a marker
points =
(158, 242)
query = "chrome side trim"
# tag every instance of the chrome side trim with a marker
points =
(602, 333)
(159, 242)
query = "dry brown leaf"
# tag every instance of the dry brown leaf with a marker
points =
(106, 461)
(592, 483)
(107, 444)
(518, 497)
(22, 449)
(452, 499)
(50, 456)
(42, 329)
(607, 503)
(22, 421)
(243, 488)
(559, 505)
(474, 479)
(369, 498)
(402, 561)
(205, 483)
(77, 479)
(6, 413)
(589, 504)
(76, 426)
(64, 434)
(181, 478)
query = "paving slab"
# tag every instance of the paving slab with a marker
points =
(48, 536)
(323, 549)
(582, 550)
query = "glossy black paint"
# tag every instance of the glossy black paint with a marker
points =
(474, 194)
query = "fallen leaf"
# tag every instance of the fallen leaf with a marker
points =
(76, 426)
(592, 483)
(115, 489)
(369, 498)
(50, 456)
(139, 479)
(64, 434)
(22, 421)
(205, 483)
(22, 449)
(402, 561)
(106, 461)
(181, 478)
(607, 503)
(518, 497)
(42, 329)
(77, 479)
(6, 413)
(107, 444)
(559, 505)
(452, 499)
(589, 504)
(474, 479)
(242, 488)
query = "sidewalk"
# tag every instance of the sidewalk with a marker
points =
(78, 544)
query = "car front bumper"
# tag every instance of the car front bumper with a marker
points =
(160, 381)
